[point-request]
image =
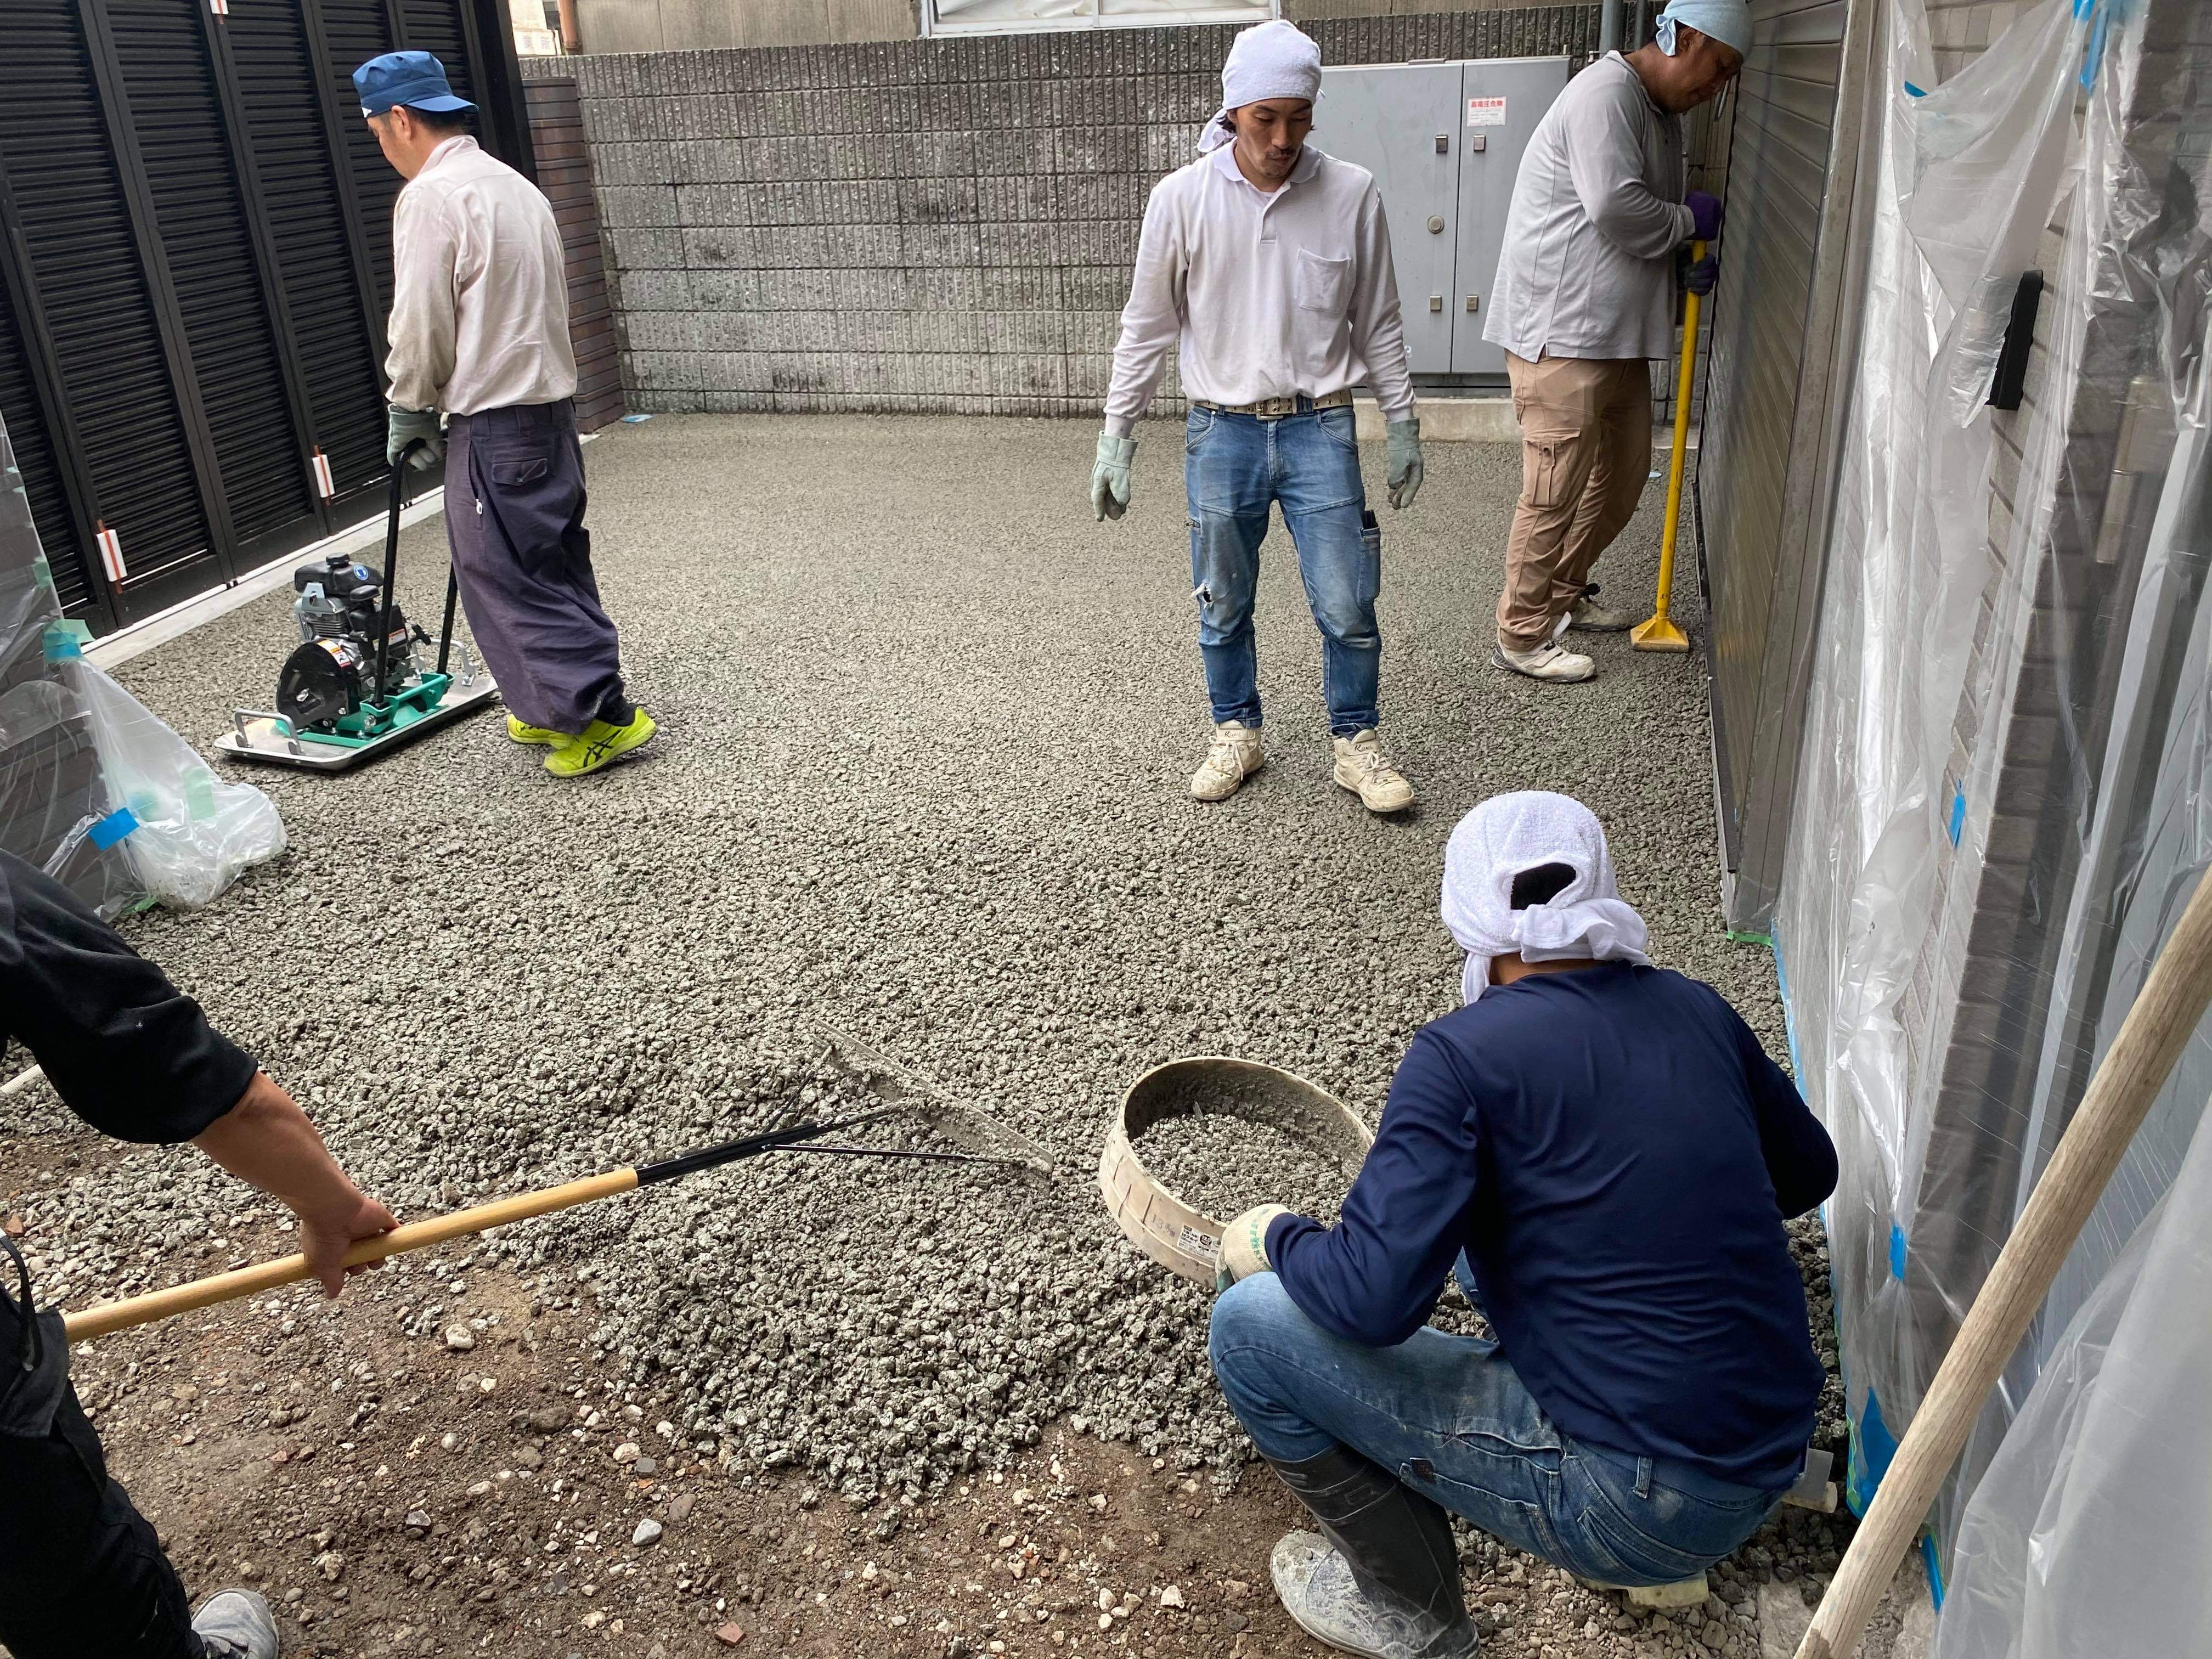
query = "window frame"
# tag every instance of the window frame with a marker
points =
(1096, 18)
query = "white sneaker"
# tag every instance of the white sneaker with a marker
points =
(1547, 662)
(1363, 768)
(1234, 756)
(1587, 616)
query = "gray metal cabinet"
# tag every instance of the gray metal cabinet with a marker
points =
(1444, 142)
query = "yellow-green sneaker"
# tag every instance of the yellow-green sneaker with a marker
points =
(528, 734)
(600, 745)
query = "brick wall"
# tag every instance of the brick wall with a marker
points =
(564, 174)
(941, 225)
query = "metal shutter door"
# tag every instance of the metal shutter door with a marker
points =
(322, 258)
(358, 30)
(178, 122)
(1777, 169)
(23, 415)
(100, 316)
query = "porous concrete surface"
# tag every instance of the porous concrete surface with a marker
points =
(925, 732)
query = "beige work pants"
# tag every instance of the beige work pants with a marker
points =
(1585, 453)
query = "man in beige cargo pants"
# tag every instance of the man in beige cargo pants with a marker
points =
(1584, 298)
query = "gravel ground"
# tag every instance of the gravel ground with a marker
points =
(1223, 1165)
(926, 731)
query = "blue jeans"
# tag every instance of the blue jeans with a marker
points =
(1235, 468)
(1450, 1417)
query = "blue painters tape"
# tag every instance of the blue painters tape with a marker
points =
(113, 828)
(1896, 1251)
(635, 420)
(1873, 1446)
(1934, 1569)
(1958, 815)
(1913, 91)
(64, 641)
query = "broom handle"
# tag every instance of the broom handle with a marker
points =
(2157, 1026)
(1685, 378)
(268, 1276)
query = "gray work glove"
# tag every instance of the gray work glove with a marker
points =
(1403, 438)
(1110, 476)
(407, 426)
(1244, 1246)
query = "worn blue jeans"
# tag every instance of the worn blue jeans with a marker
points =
(1448, 1414)
(1235, 468)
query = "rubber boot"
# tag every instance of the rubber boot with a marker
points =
(1382, 1579)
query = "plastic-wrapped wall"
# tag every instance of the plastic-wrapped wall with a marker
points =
(51, 789)
(2001, 804)
(95, 789)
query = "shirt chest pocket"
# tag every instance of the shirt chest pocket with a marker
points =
(1322, 284)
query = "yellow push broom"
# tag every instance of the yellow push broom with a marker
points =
(1660, 633)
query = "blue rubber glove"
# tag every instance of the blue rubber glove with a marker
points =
(407, 426)
(1705, 214)
(1403, 438)
(1110, 476)
(1703, 274)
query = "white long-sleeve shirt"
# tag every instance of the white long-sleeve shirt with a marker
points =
(1587, 266)
(1265, 294)
(480, 291)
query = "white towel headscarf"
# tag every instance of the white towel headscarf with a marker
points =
(1728, 21)
(1275, 59)
(1507, 835)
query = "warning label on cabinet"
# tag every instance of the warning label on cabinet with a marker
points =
(1485, 112)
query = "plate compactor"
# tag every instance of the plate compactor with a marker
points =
(356, 684)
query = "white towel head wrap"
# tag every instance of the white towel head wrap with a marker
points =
(1508, 835)
(1275, 59)
(1728, 21)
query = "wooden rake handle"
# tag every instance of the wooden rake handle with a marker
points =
(287, 1270)
(2158, 1027)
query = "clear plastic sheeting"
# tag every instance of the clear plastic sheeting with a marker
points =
(94, 789)
(2005, 792)
(50, 771)
(2087, 1535)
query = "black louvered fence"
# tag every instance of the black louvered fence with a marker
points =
(195, 267)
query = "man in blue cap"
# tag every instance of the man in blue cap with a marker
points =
(479, 332)
(1584, 298)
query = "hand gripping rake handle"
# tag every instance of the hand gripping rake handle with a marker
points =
(269, 1275)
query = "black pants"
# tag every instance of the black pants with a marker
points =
(82, 1575)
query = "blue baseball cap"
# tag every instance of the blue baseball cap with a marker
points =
(413, 78)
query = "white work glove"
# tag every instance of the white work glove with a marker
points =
(1244, 1245)
(1403, 438)
(404, 426)
(1110, 476)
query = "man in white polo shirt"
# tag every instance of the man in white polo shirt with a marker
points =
(1270, 264)
(1584, 298)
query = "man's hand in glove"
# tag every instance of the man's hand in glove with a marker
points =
(1244, 1246)
(1703, 274)
(1403, 438)
(404, 427)
(1704, 215)
(1110, 476)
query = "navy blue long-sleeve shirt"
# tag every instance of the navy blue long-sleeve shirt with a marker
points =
(1616, 1154)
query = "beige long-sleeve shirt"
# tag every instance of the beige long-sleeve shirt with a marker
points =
(480, 294)
(1263, 294)
(1588, 268)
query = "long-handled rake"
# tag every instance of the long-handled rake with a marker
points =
(912, 1098)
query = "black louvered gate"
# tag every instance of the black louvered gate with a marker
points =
(195, 266)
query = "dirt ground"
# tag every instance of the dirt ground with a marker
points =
(482, 1489)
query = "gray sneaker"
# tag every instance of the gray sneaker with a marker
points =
(237, 1625)
(1317, 1588)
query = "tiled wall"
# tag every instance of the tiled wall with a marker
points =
(940, 225)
